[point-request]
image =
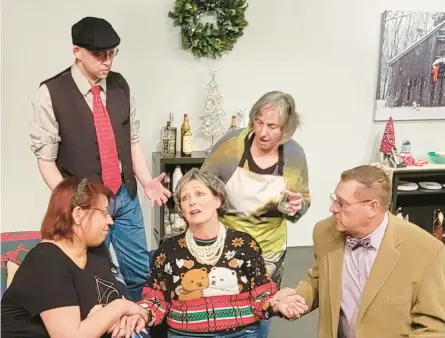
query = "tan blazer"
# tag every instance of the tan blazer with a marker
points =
(405, 292)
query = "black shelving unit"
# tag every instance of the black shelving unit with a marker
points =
(421, 203)
(168, 165)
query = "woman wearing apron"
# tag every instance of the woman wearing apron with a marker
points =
(259, 165)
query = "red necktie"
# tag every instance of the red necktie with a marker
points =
(111, 173)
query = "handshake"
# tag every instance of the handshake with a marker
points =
(288, 303)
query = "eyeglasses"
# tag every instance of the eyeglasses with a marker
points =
(334, 200)
(103, 55)
(103, 210)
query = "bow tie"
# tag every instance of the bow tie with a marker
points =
(355, 243)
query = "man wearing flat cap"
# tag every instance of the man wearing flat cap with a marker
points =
(85, 125)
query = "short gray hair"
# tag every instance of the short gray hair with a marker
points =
(212, 182)
(285, 105)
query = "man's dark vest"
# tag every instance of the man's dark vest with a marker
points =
(78, 150)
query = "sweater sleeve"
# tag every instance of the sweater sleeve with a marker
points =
(224, 157)
(156, 292)
(296, 174)
(262, 287)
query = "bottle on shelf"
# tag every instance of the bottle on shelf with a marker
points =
(438, 224)
(177, 174)
(233, 124)
(186, 138)
(183, 125)
(168, 142)
(167, 182)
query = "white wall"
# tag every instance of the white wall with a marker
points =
(323, 52)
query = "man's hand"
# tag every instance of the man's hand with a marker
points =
(291, 306)
(283, 293)
(155, 191)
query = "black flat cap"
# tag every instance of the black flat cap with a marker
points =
(94, 34)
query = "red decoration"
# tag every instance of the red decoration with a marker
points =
(435, 72)
(410, 161)
(389, 138)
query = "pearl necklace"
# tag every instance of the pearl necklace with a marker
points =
(207, 254)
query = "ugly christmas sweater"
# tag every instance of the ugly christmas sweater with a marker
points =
(198, 298)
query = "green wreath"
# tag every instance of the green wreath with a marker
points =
(204, 39)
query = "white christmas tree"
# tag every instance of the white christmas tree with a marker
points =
(211, 127)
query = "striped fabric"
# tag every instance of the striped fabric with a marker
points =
(111, 174)
(211, 314)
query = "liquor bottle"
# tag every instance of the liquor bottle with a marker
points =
(172, 137)
(165, 142)
(233, 125)
(177, 174)
(438, 224)
(186, 142)
(183, 126)
(168, 141)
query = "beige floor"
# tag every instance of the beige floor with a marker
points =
(298, 261)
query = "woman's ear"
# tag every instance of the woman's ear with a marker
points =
(77, 214)
(218, 202)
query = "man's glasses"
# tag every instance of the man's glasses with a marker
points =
(334, 200)
(103, 55)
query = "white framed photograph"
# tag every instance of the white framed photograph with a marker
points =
(411, 81)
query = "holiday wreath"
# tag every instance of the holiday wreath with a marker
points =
(206, 39)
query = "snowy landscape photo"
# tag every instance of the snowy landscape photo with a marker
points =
(411, 82)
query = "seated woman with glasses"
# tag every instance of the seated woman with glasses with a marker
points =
(209, 281)
(65, 286)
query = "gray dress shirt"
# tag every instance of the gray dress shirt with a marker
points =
(44, 133)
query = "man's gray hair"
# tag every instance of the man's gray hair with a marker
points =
(285, 104)
(212, 182)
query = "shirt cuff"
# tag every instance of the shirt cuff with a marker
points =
(45, 152)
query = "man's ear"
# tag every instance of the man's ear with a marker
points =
(77, 52)
(374, 208)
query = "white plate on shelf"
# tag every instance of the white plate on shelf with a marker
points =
(430, 185)
(407, 186)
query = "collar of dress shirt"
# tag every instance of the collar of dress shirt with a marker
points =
(82, 82)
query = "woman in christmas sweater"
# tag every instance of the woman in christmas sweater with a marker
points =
(210, 281)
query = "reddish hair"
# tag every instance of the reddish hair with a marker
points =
(58, 221)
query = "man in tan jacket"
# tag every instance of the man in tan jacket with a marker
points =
(375, 275)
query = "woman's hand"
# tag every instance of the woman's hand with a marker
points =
(131, 308)
(127, 325)
(295, 201)
(95, 309)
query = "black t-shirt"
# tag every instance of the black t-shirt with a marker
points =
(49, 279)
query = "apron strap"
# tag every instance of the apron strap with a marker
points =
(248, 144)
(280, 160)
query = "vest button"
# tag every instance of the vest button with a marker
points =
(99, 173)
(98, 157)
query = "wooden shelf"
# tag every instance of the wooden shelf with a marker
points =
(196, 158)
